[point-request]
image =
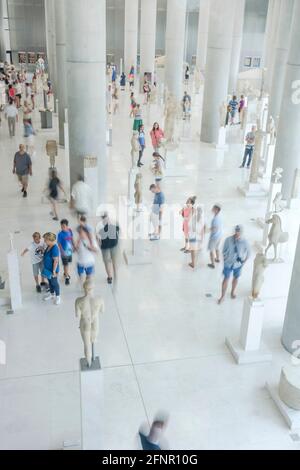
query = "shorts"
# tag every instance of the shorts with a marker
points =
(236, 272)
(37, 268)
(87, 270)
(19, 96)
(66, 260)
(214, 244)
(110, 255)
(23, 179)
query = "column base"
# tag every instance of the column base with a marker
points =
(291, 417)
(94, 366)
(247, 357)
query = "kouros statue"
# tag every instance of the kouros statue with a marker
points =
(271, 129)
(138, 195)
(260, 265)
(276, 235)
(87, 309)
(135, 147)
(257, 154)
(51, 150)
(171, 112)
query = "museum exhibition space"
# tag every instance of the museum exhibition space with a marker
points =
(150, 235)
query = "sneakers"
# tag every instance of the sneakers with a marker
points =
(25, 194)
(154, 238)
(49, 297)
(55, 218)
(67, 281)
(109, 280)
(57, 300)
(38, 289)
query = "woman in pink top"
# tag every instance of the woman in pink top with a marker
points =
(156, 135)
(186, 213)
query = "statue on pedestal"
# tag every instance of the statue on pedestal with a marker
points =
(278, 204)
(271, 129)
(277, 175)
(87, 309)
(135, 147)
(138, 195)
(260, 265)
(276, 235)
(257, 153)
(171, 112)
(51, 150)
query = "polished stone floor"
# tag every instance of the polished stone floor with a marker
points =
(161, 341)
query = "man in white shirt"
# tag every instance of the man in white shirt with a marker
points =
(11, 113)
(81, 197)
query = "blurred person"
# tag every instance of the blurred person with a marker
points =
(215, 237)
(147, 92)
(158, 167)
(187, 74)
(157, 135)
(81, 197)
(123, 81)
(12, 116)
(51, 268)
(138, 119)
(153, 438)
(186, 105)
(233, 104)
(36, 250)
(186, 214)
(236, 252)
(249, 149)
(131, 76)
(157, 211)
(86, 255)
(242, 105)
(109, 99)
(108, 239)
(66, 245)
(54, 185)
(132, 104)
(196, 233)
(142, 144)
(115, 100)
(22, 167)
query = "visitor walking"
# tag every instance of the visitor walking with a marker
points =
(186, 105)
(142, 143)
(236, 252)
(66, 246)
(157, 135)
(123, 81)
(53, 187)
(51, 268)
(22, 167)
(132, 104)
(81, 197)
(196, 234)
(242, 104)
(157, 212)
(138, 119)
(131, 77)
(158, 167)
(147, 92)
(215, 237)
(233, 104)
(86, 255)
(36, 250)
(108, 239)
(115, 100)
(249, 149)
(11, 114)
(186, 214)
(152, 439)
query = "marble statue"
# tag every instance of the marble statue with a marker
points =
(135, 147)
(289, 387)
(153, 95)
(223, 114)
(51, 150)
(171, 111)
(276, 235)
(277, 175)
(138, 195)
(260, 265)
(257, 153)
(277, 203)
(198, 79)
(271, 130)
(87, 309)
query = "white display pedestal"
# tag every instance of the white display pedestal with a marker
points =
(14, 280)
(139, 255)
(172, 166)
(221, 144)
(91, 178)
(91, 384)
(252, 190)
(248, 348)
(131, 182)
(292, 417)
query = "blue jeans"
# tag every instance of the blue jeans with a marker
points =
(54, 286)
(248, 154)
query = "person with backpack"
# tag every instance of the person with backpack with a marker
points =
(108, 239)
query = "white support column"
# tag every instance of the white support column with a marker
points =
(236, 45)
(86, 63)
(2, 39)
(175, 37)
(281, 56)
(217, 66)
(148, 37)
(268, 33)
(131, 34)
(60, 24)
(287, 153)
(51, 43)
(271, 50)
(202, 34)
(291, 328)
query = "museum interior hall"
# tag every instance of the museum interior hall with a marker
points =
(150, 216)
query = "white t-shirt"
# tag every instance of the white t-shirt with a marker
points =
(36, 251)
(86, 257)
(83, 197)
(11, 111)
(29, 91)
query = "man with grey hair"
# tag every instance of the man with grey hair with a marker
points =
(236, 252)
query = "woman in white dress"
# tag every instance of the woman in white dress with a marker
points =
(196, 234)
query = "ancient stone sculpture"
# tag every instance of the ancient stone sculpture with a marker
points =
(289, 387)
(51, 150)
(87, 309)
(276, 235)
(257, 154)
(171, 111)
(135, 147)
(277, 175)
(260, 265)
(277, 203)
(271, 129)
(138, 195)
(223, 114)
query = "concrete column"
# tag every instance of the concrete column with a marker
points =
(271, 51)
(217, 66)
(86, 83)
(287, 153)
(202, 34)
(60, 24)
(2, 39)
(131, 34)
(148, 37)
(281, 57)
(268, 33)
(238, 30)
(291, 327)
(175, 37)
(51, 43)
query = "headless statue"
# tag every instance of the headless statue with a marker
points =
(87, 309)
(260, 265)
(278, 204)
(135, 147)
(257, 154)
(138, 195)
(171, 115)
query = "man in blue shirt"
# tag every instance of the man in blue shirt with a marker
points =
(236, 252)
(66, 247)
(157, 211)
